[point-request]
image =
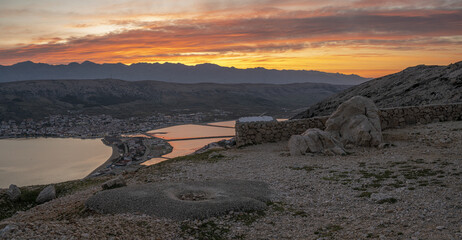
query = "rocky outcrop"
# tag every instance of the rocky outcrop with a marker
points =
(414, 86)
(315, 140)
(47, 194)
(114, 183)
(13, 193)
(356, 122)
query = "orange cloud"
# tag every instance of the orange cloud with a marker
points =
(371, 40)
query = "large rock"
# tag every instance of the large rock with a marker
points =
(186, 200)
(315, 140)
(13, 193)
(356, 122)
(114, 183)
(47, 194)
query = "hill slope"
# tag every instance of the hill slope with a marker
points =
(37, 99)
(169, 72)
(419, 85)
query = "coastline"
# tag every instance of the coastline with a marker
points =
(115, 154)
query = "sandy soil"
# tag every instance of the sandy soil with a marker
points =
(411, 190)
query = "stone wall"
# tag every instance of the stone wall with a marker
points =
(260, 132)
(403, 116)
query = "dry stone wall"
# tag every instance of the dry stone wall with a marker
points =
(403, 116)
(259, 132)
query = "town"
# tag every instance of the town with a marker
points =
(86, 126)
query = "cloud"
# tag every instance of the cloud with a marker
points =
(251, 29)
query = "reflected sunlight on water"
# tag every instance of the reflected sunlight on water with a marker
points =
(48, 160)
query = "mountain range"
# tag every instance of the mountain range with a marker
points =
(40, 98)
(169, 72)
(414, 86)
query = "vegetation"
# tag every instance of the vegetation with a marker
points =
(29, 194)
(205, 231)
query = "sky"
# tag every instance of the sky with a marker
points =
(370, 38)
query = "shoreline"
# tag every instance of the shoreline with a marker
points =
(115, 154)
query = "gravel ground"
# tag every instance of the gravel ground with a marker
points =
(411, 190)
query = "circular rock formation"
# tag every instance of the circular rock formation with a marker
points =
(189, 200)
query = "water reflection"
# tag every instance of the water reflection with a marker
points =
(195, 130)
(46, 160)
(211, 132)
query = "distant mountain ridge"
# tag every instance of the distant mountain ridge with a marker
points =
(169, 72)
(414, 86)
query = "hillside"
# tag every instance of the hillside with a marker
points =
(419, 85)
(37, 99)
(169, 72)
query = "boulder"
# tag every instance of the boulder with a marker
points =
(315, 140)
(7, 230)
(297, 145)
(13, 193)
(47, 194)
(356, 122)
(114, 183)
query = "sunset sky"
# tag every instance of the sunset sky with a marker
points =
(366, 37)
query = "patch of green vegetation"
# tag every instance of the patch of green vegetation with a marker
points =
(397, 184)
(387, 200)
(371, 235)
(417, 173)
(248, 217)
(365, 194)
(205, 231)
(276, 206)
(69, 187)
(328, 231)
(199, 157)
(27, 200)
(342, 177)
(30, 193)
(418, 160)
(362, 188)
(378, 176)
(300, 213)
(372, 185)
(282, 207)
(306, 168)
(394, 164)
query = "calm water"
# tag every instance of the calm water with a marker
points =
(183, 137)
(48, 160)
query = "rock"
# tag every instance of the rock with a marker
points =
(185, 200)
(315, 140)
(297, 145)
(47, 194)
(356, 122)
(13, 193)
(5, 232)
(114, 183)
(414, 86)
